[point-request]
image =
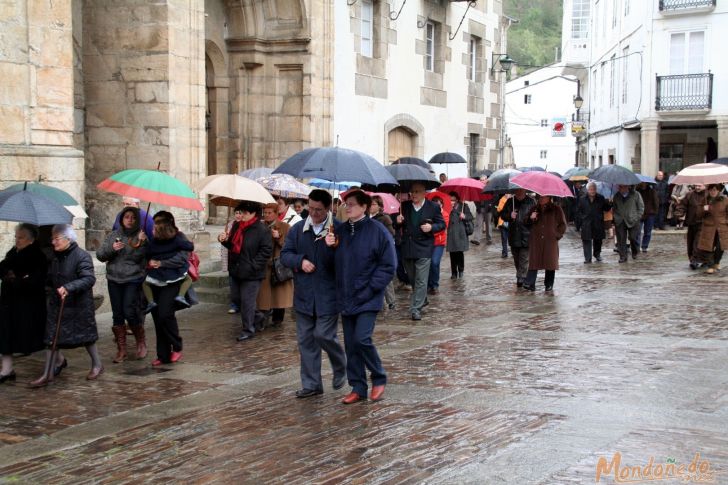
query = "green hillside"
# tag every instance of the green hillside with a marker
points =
(533, 40)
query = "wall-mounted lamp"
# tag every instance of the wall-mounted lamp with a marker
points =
(578, 102)
(505, 62)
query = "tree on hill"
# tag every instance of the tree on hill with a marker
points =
(534, 39)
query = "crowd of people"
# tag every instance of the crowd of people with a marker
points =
(325, 262)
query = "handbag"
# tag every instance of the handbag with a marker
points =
(279, 273)
(469, 227)
(194, 268)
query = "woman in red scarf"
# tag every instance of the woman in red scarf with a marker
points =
(250, 245)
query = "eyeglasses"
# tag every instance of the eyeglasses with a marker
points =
(58, 238)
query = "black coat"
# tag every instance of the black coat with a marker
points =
(591, 216)
(518, 229)
(23, 300)
(415, 243)
(74, 270)
(257, 249)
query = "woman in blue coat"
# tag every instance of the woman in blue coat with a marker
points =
(365, 263)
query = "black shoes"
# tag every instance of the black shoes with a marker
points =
(57, 369)
(549, 288)
(529, 287)
(622, 260)
(598, 258)
(588, 261)
(7, 377)
(338, 383)
(519, 284)
(416, 316)
(243, 337)
(303, 393)
(473, 241)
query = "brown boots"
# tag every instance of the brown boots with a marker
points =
(141, 341)
(120, 338)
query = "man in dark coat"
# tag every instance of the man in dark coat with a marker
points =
(314, 294)
(516, 212)
(418, 220)
(663, 194)
(652, 207)
(590, 211)
(628, 210)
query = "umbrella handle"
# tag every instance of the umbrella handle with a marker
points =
(144, 226)
(54, 345)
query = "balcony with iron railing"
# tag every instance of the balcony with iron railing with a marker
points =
(672, 7)
(685, 92)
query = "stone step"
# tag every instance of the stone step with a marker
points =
(213, 295)
(215, 279)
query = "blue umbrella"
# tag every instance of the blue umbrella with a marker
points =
(336, 164)
(328, 185)
(605, 189)
(256, 173)
(646, 178)
(406, 175)
(32, 208)
(615, 174)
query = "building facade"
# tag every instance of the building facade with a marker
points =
(200, 87)
(538, 119)
(648, 73)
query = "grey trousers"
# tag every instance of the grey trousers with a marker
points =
(520, 260)
(389, 296)
(313, 335)
(418, 271)
(244, 294)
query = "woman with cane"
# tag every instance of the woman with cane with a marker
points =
(71, 322)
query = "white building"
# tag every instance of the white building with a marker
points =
(538, 117)
(648, 71)
(417, 86)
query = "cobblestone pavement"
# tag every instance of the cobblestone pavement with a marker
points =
(494, 385)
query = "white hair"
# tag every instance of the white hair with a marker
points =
(591, 184)
(65, 230)
(131, 200)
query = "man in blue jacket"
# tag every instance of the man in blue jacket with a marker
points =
(365, 264)
(419, 220)
(314, 294)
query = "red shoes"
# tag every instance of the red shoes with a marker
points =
(156, 363)
(377, 393)
(175, 357)
(351, 398)
(94, 373)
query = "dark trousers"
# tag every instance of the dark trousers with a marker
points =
(402, 275)
(692, 240)
(520, 260)
(548, 280)
(504, 240)
(662, 216)
(126, 303)
(588, 244)
(624, 232)
(433, 280)
(457, 262)
(709, 257)
(645, 233)
(165, 321)
(316, 333)
(361, 354)
(245, 293)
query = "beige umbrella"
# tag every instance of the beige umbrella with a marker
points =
(702, 173)
(228, 189)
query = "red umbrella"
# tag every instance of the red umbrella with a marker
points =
(542, 183)
(466, 188)
(446, 202)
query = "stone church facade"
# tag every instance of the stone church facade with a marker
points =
(198, 87)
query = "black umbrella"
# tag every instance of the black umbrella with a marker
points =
(406, 175)
(336, 164)
(447, 157)
(615, 174)
(413, 161)
(500, 181)
(32, 208)
(557, 174)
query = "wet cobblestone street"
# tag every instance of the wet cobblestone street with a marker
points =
(494, 385)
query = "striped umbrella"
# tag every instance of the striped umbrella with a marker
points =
(702, 173)
(152, 186)
(284, 185)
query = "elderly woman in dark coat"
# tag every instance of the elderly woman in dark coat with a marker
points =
(548, 225)
(124, 252)
(22, 299)
(70, 283)
(590, 211)
(457, 236)
(713, 238)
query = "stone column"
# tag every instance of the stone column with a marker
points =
(650, 147)
(722, 136)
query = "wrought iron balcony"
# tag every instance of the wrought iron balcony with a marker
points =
(684, 92)
(667, 6)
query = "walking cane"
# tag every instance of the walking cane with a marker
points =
(54, 350)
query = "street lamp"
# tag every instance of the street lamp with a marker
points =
(505, 65)
(578, 102)
(505, 62)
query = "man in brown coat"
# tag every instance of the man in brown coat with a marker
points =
(548, 225)
(689, 212)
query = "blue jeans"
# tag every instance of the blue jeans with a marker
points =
(361, 354)
(645, 234)
(504, 240)
(433, 281)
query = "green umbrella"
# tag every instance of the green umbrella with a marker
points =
(53, 193)
(152, 186)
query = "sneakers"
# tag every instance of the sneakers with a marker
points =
(233, 310)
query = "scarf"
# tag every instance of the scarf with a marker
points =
(238, 236)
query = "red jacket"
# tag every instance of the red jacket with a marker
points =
(441, 237)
